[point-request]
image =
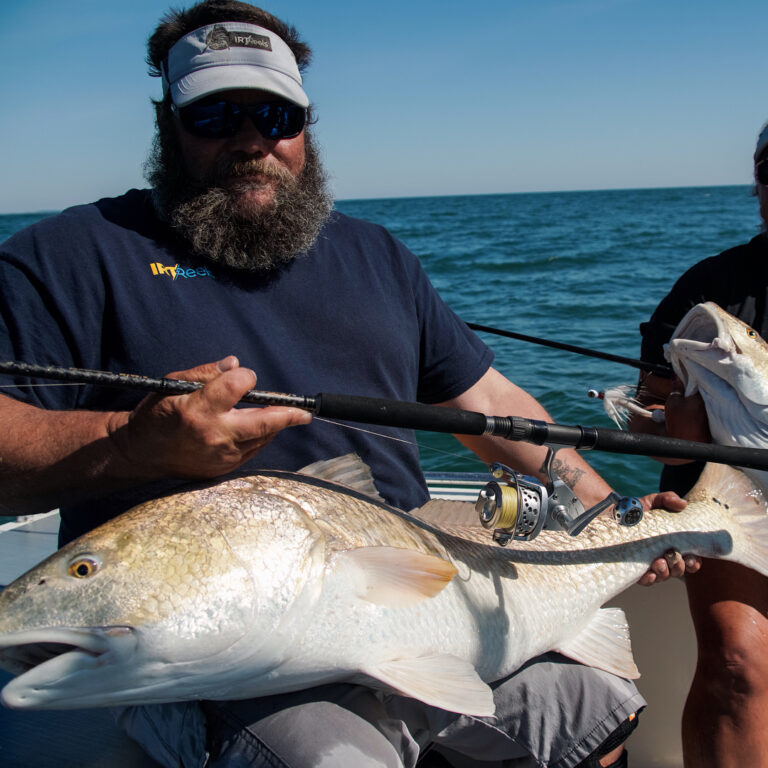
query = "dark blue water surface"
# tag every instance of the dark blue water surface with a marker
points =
(584, 268)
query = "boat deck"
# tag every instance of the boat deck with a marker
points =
(24, 543)
(662, 636)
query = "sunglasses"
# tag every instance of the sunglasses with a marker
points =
(223, 119)
(761, 171)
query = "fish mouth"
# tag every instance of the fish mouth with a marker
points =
(52, 663)
(701, 338)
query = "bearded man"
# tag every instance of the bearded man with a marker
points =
(235, 254)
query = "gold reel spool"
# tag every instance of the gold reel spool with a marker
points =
(497, 506)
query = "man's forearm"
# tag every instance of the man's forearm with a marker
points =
(48, 458)
(496, 395)
(529, 459)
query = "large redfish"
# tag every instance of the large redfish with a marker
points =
(280, 581)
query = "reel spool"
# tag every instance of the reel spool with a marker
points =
(515, 509)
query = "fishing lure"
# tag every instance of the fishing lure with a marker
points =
(618, 403)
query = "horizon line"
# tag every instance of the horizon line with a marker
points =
(53, 211)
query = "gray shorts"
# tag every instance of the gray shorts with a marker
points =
(552, 712)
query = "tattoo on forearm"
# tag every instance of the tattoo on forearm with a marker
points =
(569, 475)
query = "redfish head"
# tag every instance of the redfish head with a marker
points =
(170, 601)
(712, 350)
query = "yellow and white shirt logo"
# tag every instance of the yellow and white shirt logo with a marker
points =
(174, 271)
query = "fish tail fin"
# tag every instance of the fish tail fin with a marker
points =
(746, 504)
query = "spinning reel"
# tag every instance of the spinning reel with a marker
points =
(519, 507)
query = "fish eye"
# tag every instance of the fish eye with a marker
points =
(83, 567)
(752, 334)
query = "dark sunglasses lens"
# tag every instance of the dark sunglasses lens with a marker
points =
(223, 119)
(211, 121)
(279, 120)
(762, 172)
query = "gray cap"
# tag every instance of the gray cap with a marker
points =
(229, 55)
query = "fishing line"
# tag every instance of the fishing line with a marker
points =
(413, 443)
(367, 431)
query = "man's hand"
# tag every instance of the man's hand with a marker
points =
(686, 417)
(672, 564)
(201, 434)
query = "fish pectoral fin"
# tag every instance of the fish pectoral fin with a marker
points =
(442, 681)
(397, 577)
(604, 644)
(349, 470)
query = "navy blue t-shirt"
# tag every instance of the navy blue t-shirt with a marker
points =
(107, 286)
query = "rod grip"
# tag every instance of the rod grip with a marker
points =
(395, 413)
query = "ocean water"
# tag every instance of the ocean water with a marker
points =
(585, 268)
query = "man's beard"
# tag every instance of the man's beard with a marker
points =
(213, 216)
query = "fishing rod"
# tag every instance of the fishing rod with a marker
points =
(431, 418)
(512, 506)
(656, 368)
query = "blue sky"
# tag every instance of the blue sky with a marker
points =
(423, 97)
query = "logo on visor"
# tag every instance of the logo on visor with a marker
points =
(219, 38)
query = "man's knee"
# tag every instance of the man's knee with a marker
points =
(315, 734)
(729, 607)
(736, 666)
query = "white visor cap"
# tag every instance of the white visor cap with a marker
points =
(229, 55)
